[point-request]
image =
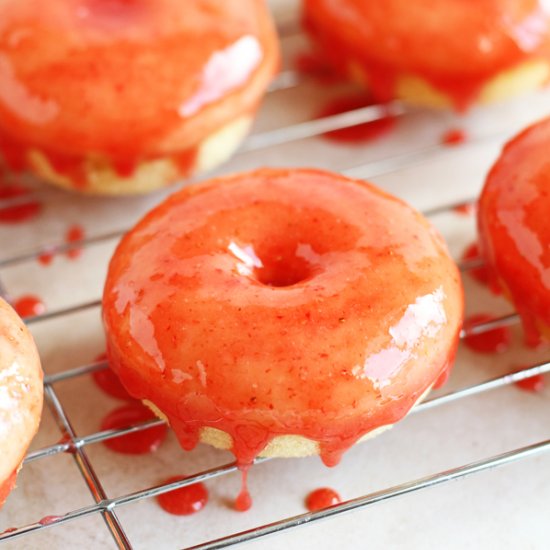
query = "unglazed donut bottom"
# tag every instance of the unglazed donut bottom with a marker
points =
(20, 395)
(103, 179)
(281, 312)
(527, 77)
(514, 228)
(459, 55)
(281, 446)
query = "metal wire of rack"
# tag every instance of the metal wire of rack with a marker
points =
(77, 445)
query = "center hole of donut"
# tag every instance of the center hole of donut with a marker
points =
(283, 270)
(276, 265)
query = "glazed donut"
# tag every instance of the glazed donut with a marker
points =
(446, 53)
(20, 395)
(281, 312)
(126, 96)
(514, 231)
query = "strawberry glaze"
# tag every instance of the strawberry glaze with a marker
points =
(74, 234)
(458, 49)
(281, 302)
(454, 136)
(514, 227)
(185, 501)
(48, 520)
(46, 258)
(108, 381)
(72, 80)
(534, 384)
(137, 443)
(7, 486)
(21, 212)
(322, 498)
(480, 274)
(359, 133)
(29, 305)
(243, 502)
(315, 65)
(496, 340)
(466, 209)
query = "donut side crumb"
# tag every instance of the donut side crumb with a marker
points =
(102, 178)
(525, 77)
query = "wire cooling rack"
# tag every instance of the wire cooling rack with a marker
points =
(78, 446)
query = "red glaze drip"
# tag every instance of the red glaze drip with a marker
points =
(255, 264)
(243, 502)
(467, 209)
(514, 228)
(46, 258)
(492, 341)
(142, 442)
(7, 486)
(455, 136)
(29, 306)
(108, 381)
(125, 168)
(185, 501)
(70, 166)
(70, 80)
(185, 161)
(487, 38)
(12, 154)
(443, 378)
(322, 498)
(359, 133)
(481, 274)
(21, 212)
(74, 234)
(534, 384)
(315, 65)
(48, 520)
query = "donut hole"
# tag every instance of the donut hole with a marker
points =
(283, 270)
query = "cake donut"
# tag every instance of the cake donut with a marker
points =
(449, 53)
(514, 227)
(127, 96)
(281, 312)
(20, 395)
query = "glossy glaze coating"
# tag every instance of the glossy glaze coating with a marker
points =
(456, 46)
(322, 498)
(20, 395)
(514, 226)
(19, 213)
(127, 80)
(185, 501)
(281, 302)
(136, 443)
